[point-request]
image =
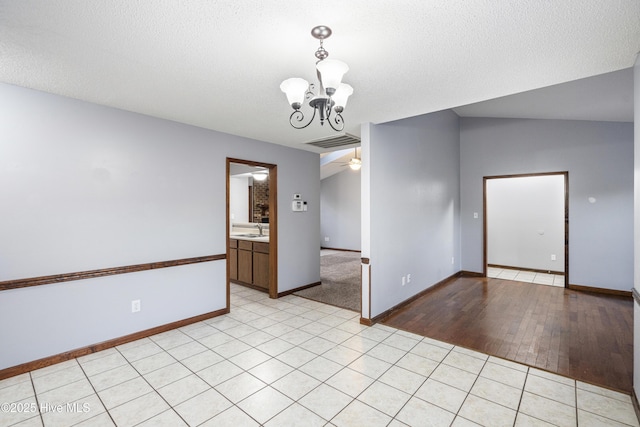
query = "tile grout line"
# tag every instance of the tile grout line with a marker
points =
(526, 376)
(96, 393)
(353, 399)
(451, 350)
(77, 364)
(150, 385)
(35, 395)
(335, 345)
(414, 393)
(393, 417)
(471, 388)
(212, 387)
(267, 385)
(575, 384)
(294, 370)
(316, 356)
(599, 415)
(343, 367)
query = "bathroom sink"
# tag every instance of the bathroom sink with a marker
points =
(248, 235)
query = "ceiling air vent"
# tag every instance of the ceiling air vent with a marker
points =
(336, 141)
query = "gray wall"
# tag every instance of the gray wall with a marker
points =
(87, 187)
(412, 198)
(599, 159)
(340, 210)
(525, 222)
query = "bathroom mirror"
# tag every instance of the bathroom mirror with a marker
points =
(249, 193)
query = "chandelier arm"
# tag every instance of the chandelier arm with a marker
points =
(338, 121)
(309, 93)
(298, 116)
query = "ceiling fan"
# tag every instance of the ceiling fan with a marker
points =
(355, 163)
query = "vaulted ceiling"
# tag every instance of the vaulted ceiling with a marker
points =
(219, 64)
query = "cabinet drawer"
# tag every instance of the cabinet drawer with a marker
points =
(261, 247)
(233, 243)
(245, 244)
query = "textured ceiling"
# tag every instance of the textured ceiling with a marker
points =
(219, 64)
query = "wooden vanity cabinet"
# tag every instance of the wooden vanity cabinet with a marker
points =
(249, 262)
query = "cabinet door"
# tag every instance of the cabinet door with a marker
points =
(261, 270)
(233, 264)
(245, 266)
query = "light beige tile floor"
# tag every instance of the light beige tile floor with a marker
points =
(526, 276)
(296, 362)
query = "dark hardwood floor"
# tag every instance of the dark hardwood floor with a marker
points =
(582, 335)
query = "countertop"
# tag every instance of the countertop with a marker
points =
(240, 236)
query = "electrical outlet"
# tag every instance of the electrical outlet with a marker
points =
(553, 257)
(404, 280)
(408, 278)
(135, 306)
(326, 239)
(453, 260)
(475, 215)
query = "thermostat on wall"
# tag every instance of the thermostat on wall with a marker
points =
(297, 206)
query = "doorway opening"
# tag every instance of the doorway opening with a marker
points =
(526, 227)
(252, 225)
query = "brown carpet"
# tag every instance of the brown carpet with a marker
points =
(341, 283)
